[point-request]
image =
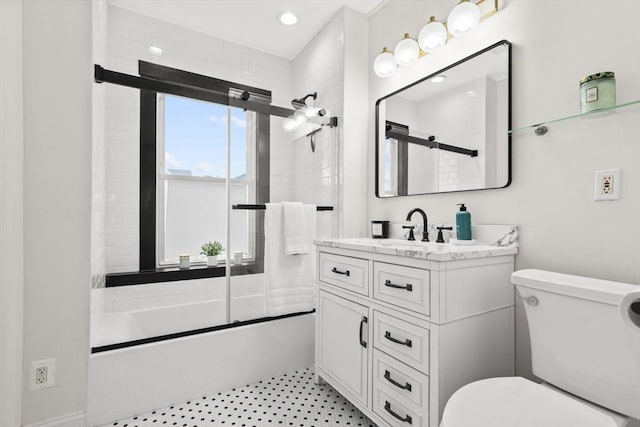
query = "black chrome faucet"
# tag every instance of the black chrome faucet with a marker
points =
(425, 230)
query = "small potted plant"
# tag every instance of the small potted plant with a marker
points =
(212, 250)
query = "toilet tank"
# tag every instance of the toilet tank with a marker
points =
(579, 341)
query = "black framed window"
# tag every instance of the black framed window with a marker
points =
(178, 192)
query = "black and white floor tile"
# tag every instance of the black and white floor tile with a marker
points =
(289, 400)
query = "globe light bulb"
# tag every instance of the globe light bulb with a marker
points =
(385, 64)
(406, 51)
(463, 18)
(432, 36)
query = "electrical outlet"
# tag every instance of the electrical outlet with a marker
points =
(42, 374)
(607, 184)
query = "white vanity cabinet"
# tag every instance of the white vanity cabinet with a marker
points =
(397, 332)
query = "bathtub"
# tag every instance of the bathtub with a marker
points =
(111, 329)
(147, 356)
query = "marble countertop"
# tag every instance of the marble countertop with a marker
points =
(421, 250)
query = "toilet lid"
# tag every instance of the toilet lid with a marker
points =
(518, 402)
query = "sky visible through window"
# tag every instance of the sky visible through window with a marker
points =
(195, 138)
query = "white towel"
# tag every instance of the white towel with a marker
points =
(289, 280)
(296, 231)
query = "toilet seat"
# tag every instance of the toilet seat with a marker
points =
(518, 402)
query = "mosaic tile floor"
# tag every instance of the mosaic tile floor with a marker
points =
(289, 400)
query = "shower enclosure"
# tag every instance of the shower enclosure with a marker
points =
(177, 143)
(204, 176)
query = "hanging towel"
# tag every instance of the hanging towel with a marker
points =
(297, 238)
(289, 280)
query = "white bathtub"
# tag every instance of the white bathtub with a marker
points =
(131, 313)
(137, 379)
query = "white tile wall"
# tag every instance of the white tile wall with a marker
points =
(320, 68)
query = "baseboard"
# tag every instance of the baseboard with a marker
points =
(76, 419)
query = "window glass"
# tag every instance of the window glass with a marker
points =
(192, 185)
(195, 137)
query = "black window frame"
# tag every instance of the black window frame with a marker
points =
(154, 79)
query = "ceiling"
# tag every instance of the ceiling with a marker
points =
(252, 23)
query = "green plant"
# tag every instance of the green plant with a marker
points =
(212, 248)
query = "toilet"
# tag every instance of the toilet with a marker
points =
(587, 355)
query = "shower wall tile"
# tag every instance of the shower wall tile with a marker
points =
(129, 36)
(320, 68)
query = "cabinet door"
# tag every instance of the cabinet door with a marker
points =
(342, 335)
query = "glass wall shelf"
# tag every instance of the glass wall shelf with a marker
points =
(541, 128)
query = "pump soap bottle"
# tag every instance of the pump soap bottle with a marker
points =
(463, 223)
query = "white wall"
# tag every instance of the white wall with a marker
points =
(354, 124)
(551, 197)
(11, 242)
(57, 185)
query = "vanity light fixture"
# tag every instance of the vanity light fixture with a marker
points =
(463, 18)
(287, 18)
(438, 79)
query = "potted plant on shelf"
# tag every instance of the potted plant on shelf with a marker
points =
(212, 250)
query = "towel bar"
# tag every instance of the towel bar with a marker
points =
(263, 207)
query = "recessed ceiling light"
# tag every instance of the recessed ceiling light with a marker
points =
(155, 50)
(287, 18)
(439, 78)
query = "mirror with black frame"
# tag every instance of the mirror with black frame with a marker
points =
(449, 131)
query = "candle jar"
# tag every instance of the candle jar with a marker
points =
(380, 229)
(185, 260)
(597, 91)
(237, 257)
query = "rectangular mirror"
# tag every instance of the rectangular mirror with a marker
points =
(449, 131)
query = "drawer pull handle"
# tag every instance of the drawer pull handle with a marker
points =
(405, 419)
(363, 321)
(408, 286)
(387, 376)
(335, 270)
(406, 342)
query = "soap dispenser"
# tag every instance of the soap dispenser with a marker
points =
(463, 223)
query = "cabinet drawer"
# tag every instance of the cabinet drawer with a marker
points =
(395, 412)
(346, 272)
(407, 385)
(404, 341)
(403, 286)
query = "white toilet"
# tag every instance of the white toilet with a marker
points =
(580, 345)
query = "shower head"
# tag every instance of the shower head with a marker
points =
(300, 103)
